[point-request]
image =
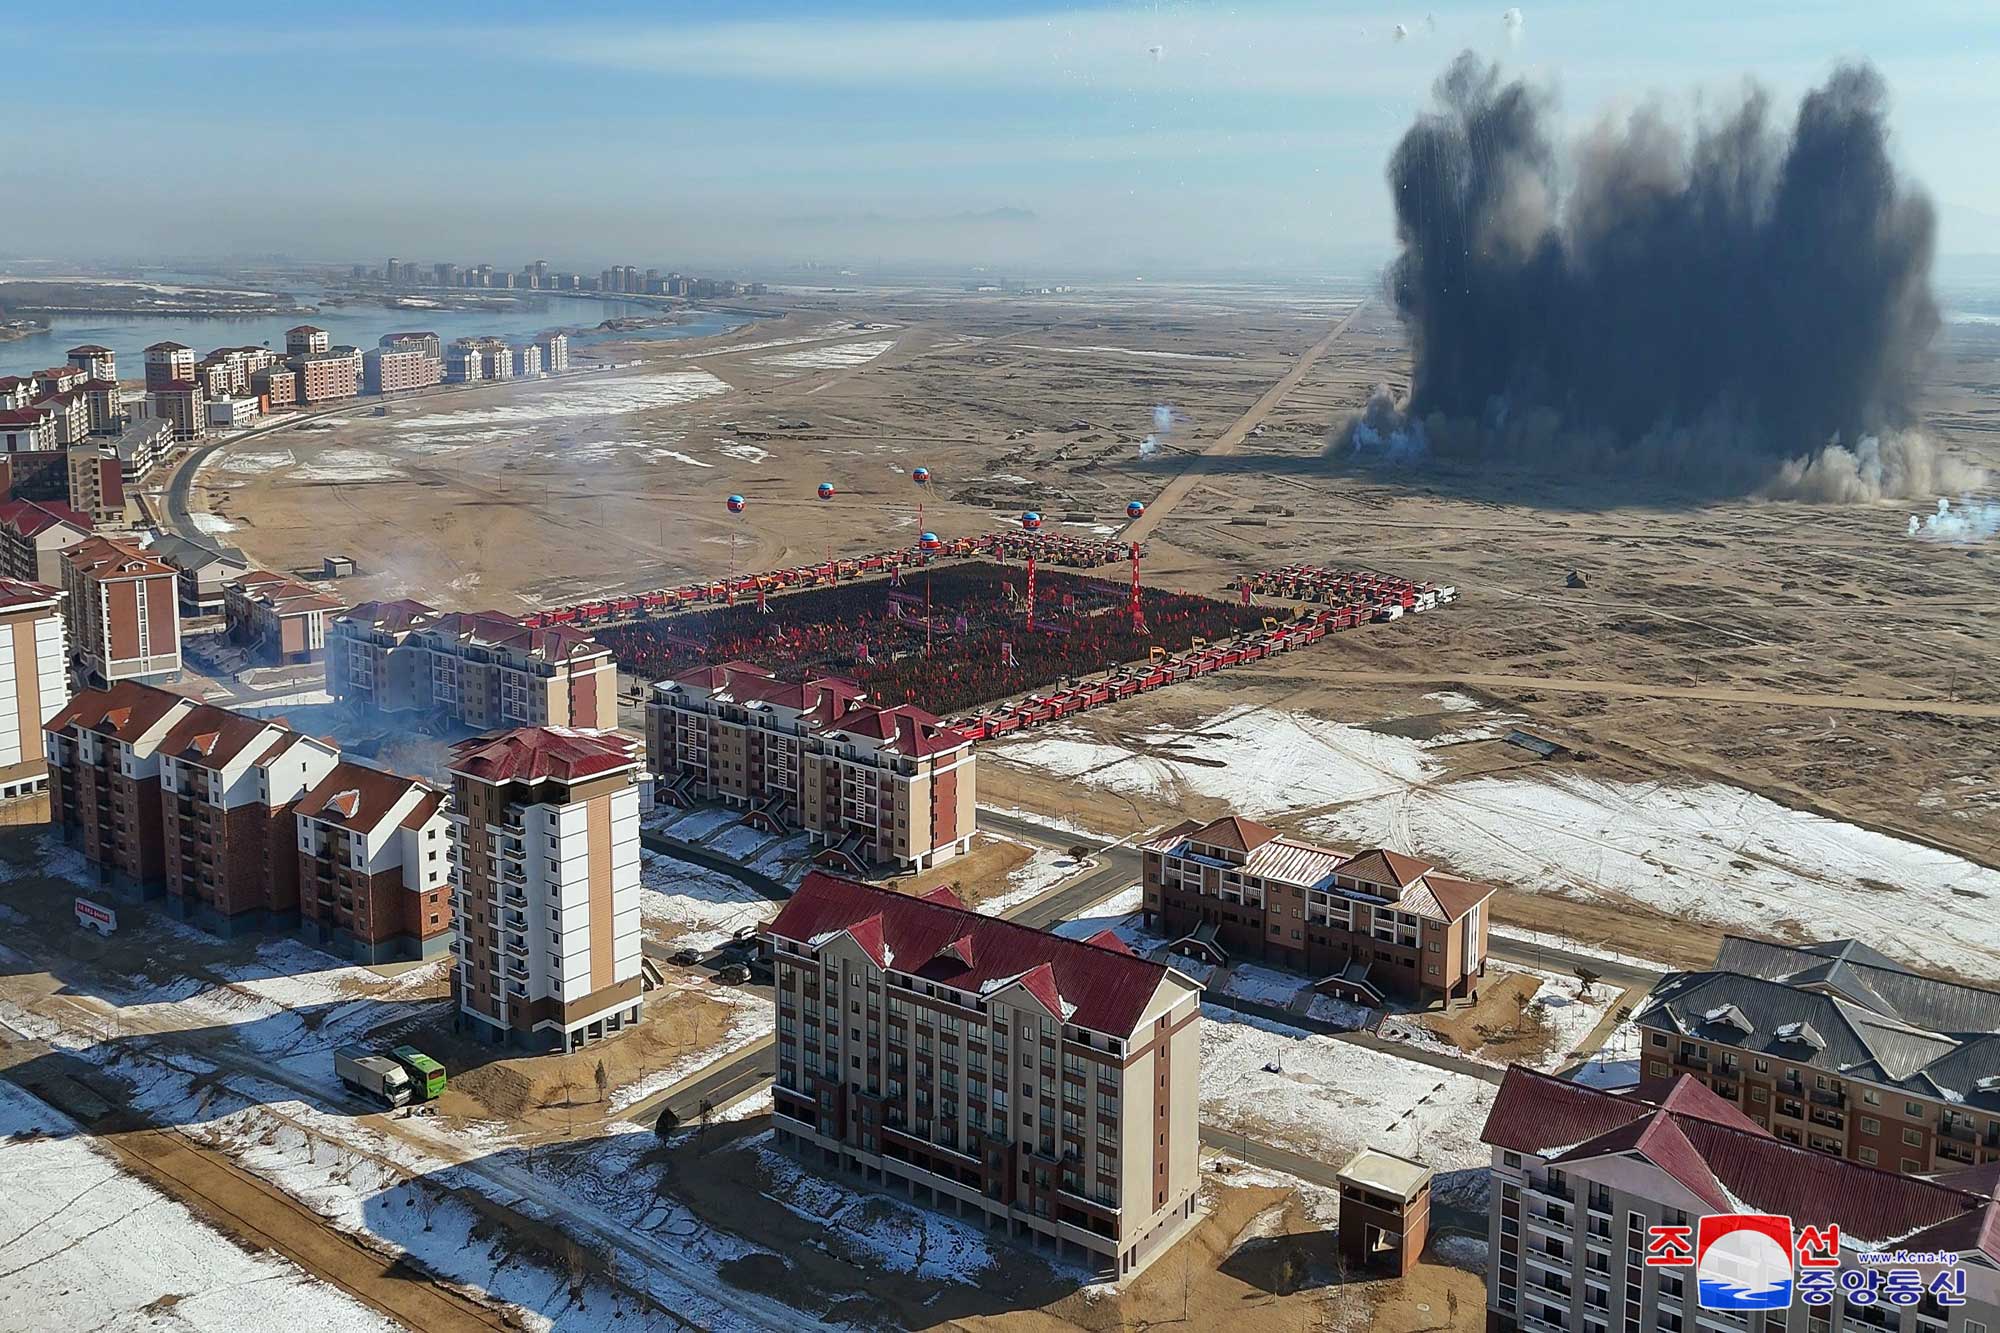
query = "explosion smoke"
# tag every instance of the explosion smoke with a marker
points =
(1728, 310)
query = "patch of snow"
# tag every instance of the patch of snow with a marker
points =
(1126, 352)
(1450, 701)
(1042, 871)
(837, 357)
(1471, 1253)
(707, 905)
(344, 465)
(1264, 985)
(249, 462)
(610, 397)
(213, 524)
(747, 453)
(680, 458)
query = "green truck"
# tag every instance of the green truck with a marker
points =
(428, 1073)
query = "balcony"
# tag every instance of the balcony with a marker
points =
(1822, 1097)
(1957, 1132)
(1550, 1223)
(517, 948)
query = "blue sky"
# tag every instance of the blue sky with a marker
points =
(1071, 136)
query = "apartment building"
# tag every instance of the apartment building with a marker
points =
(413, 340)
(555, 352)
(546, 842)
(305, 340)
(123, 612)
(104, 406)
(278, 386)
(1837, 1048)
(33, 536)
(1370, 924)
(374, 865)
(30, 429)
(327, 374)
(168, 363)
(1047, 1085)
(1580, 1176)
(204, 569)
(181, 405)
(228, 785)
(34, 681)
(140, 445)
(527, 361)
(70, 413)
(96, 484)
(399, 369)
(479, 669)
(96, 363)
(104, 780)
(891, 787)
(281, 619)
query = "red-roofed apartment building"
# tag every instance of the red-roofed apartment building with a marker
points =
(247, 825)
(228, 783)
(281, 618)
(1580, 1176)
(479, 669)
(373, 865)
(124, 612)
(34, 681)
(33, 536)
(1368, 924)
(1047, 1084)
(546, 843)
(874, 786)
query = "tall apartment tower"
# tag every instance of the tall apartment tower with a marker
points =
(546, 842)
(123, 610)
(99, 363)
(33, 685)
(168, 363)
(305, 339)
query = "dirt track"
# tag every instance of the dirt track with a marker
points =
(1642, 690)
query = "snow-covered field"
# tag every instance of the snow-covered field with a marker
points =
(1044, 869)
(1704, 851)
(1333, 1097)
(1568, 1018)
(598, 398)
(836, 357)
(91, 1246)
(345, 465)
(1133, 352)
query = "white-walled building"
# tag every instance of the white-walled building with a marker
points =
(546, 839)
(33, 683)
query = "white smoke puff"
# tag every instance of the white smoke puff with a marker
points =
(1385, 431)
(1148, 447)
(1163, 419)
(1973, 521)
(1901, 466)
(1511, 23)
(1402, 31)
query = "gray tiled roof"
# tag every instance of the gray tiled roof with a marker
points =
(1877, 1021)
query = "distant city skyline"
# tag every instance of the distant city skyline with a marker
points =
(1154, 138)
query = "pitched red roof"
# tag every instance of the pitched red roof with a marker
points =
(1381, 866)
(942, 893)
(357, 796)
(1085, 983)
(1732, 1163)
(125, 710)
(530, 754)
(105, 558)
(210, 737)
(1235, 833)
(17, 593)
(29, 518)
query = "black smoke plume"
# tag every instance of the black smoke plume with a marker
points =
(1718, 307)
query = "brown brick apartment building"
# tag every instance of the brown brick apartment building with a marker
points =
(278, 617)
(33, 536)
(478, 669)
(373, 865)
(546, 842)
(104, 780)
(1045, 1084)
(123, 610)
(889, 787)
(228, 784)
(1835, 1048)
(1369, 924)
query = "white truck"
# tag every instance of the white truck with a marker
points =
(374, 1075)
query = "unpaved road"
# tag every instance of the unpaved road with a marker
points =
(1641, 690)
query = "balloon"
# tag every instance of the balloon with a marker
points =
(920, 475)
(929, 541)
(735, 504)
(826, 490)
(1031, 520)
(1134, 509)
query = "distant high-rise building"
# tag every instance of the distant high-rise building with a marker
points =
(607, 281)
(98, 363)
(392, 272)
(167, 363)
(555, 352)
(445, 274)
(299, 341)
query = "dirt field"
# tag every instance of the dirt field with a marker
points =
(1812, 654)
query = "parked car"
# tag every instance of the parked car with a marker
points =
(685, 957)
(733, 975)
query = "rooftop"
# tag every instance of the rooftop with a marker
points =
(105, 558)
(16, 594)
(1386, 1173)
(1077, 981)
(125, 710)
(358, 797)
(535, 754)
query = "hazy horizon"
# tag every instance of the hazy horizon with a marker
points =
(1162, 138)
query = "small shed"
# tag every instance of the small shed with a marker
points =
(337, 567)
(1385, 1211)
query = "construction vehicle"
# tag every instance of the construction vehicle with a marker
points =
(427, 1073)
(374, 1075)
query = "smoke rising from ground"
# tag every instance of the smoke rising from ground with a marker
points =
(1738, 307)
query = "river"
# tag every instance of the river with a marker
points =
(359, 325)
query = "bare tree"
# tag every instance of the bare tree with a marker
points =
(1589, 979)
(426, 1201)
(603, 1082)
(576, 1265)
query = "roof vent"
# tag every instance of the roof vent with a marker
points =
(1802, 1033)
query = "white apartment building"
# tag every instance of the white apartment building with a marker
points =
(34, 685)
(555, 352)
(528, 361)
(546, 843)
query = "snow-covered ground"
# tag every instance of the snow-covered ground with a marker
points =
(1700, 850)
(1568, 1018)
(752, 1016)
(837, 357)
(1120, 914)
(1616, 1063)
(91, 1246)
(1043, 870)
(707, 905)
(1333, 1097)
(1264, 985)
(1133, 352)
(609, 397)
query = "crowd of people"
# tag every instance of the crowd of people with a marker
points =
(979, 646)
